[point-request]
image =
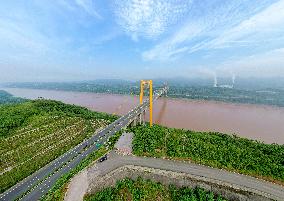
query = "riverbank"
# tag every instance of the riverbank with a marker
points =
(263, 123)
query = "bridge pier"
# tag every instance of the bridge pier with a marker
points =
(140, 119)
(134, 122)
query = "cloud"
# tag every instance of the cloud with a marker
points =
(172, 47)
(89, 7)
(19, 40)
(267, 64)
(235, 24)
(267, 24)
(148, 18)
(26, 35)
(58, 36)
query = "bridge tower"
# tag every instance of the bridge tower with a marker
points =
(147, 83)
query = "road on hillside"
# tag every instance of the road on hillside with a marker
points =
(38, 184)
(198, 172)
(73, 157)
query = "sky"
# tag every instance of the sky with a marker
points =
(72, 40)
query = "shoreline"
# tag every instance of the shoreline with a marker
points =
(168, 98)
(251, 121)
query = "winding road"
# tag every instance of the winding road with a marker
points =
(202, 173)
(38, 184)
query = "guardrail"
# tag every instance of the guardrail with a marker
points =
(38, 184)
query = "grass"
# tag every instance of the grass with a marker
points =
(212, 149)
(148, 190)
(34, 133)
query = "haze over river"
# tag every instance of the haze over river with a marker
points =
(264, 123)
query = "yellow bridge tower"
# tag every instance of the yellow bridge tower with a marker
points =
(147, 83)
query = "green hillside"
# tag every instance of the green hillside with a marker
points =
(35, 132)
(6, 98)
(212, 149)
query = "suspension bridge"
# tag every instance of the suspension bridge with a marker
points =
(39, 183)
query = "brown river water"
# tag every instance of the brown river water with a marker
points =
(263, 123)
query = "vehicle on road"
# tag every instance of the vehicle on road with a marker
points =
(102, 159)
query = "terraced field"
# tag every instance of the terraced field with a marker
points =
(41, 137)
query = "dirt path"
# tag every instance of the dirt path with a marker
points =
(77, 187)
(88, 178)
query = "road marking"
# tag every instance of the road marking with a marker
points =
(101, 135)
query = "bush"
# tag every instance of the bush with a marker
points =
(213, 149)
(141, 189)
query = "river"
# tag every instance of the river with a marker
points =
(263, 123)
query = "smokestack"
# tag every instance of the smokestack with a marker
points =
(215, 80)
(233, 80)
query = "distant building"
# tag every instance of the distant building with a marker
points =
(224, 85)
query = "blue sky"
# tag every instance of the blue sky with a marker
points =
(45, 40)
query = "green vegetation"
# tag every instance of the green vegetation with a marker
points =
(57, 192)
(6, 98)
(97, 86)
(212, 149)
(265, 97)
(34, 113)
(140, 189)
(34, 133)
